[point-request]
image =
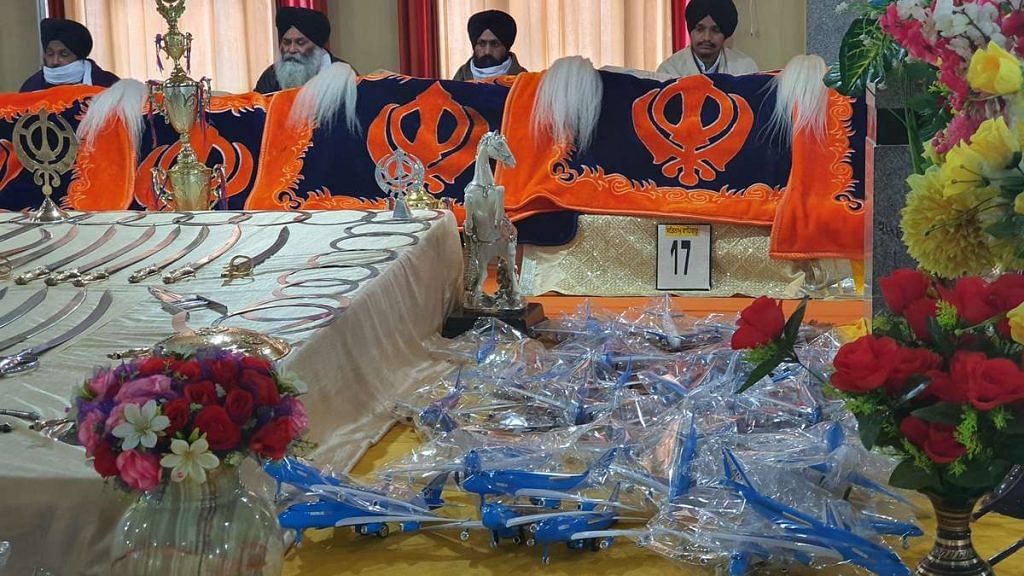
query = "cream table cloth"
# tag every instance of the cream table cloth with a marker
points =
(58, 514)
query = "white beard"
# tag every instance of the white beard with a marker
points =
(293, 71)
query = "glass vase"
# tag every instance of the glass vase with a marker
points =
(953, 553)
(215, 528)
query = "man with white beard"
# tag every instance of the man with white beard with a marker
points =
(301, 35)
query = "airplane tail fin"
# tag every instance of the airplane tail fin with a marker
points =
(431, 494)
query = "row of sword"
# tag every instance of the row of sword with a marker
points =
(54, 272)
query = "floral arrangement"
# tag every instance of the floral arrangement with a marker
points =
(186, 415)
(938, 382)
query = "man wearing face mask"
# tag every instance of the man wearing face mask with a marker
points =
(492, 34)
(66, 48)
(301, 34)
(710, 23)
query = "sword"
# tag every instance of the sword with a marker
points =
(44, 237)
(24, 308)
(189, 270)
(242, 266)
(29, 358)
(99, 275)
(41, 271)
(45, 324)
(3, 292)
(56, 277)
(13, 233)
(67, 237)
(143, 273)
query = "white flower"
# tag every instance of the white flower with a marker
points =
(842, 7)
(141, 426)
(190, 460)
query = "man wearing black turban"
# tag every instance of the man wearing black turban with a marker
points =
(710, 22)
(302, 34)
(66, 48)
(491, 33)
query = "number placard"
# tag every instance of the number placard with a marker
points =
(684, 257)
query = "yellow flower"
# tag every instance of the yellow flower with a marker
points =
(995, 143)
(1016, 317)
(944, 232)
(994, 71)
(964, 170)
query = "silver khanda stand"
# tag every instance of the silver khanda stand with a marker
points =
(398, 174)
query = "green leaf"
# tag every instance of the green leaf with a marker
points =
(870, 425)
(792, 328)
(942, 341)
(760, 371)
(860, 62)
(980, 474)
(1005, 228)
(910, 476)
(942, 412)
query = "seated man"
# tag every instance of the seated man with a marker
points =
(710, 22)
(301, 35)
(66, 48)
(491, 33)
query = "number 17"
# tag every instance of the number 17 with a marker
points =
(677, 246)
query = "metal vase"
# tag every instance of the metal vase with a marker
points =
(953, 553)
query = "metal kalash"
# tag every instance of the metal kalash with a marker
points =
(193, 186)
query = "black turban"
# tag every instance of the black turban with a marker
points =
(312, 23)
(499, 23)
(72, 34)
(723, 12)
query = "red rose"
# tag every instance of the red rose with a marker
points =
(865, 364)
(1007, 292)
(224, 372)
(104, 460)
(998, 381)
(178, 412)
(254, 363)
(917, 315)
(272, 440)
(759, 323)
(904, 287)
(221, 432)
(187, 370)
(946, 388)
(970, 297)
(263, 387)
(151, 365)
(910, 362)
(204, 393)
(239, 405)
(937, 440)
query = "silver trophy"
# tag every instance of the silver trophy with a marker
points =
(398, 175)
(489, 233)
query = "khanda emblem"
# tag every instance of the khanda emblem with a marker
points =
(684, 146)
(435, 128)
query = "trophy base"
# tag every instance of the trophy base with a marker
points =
(48, 213)
(523, 319)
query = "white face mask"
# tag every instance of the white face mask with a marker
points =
(499, 70)
(77, 72)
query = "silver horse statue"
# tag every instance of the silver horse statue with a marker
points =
(489, 233)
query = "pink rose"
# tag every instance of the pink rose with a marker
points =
(140, 390)
(90, 431)
(100, 383)
(139, 471)
(116, 417)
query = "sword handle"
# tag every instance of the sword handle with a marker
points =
(33, 274)
(179, 274)
(90, 277)
(143, 273)
(63, 276)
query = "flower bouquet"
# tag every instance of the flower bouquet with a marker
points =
(176, 428)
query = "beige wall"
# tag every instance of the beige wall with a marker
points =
(365, 33)
(779, 31)
(20, 55)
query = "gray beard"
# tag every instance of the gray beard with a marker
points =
(293, 71)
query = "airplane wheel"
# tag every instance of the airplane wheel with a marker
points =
(464, 535)
(531, 542)
(517, 540)
(383, 532)
(534, 528)
(545, 560)
(604, 544)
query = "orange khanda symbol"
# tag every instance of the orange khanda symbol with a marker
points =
(687, 149)
(445, 151)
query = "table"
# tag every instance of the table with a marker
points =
(58, 514)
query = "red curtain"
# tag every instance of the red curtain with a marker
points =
(680, 34)
(320, 5)
(418, 51)
(55, 8)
